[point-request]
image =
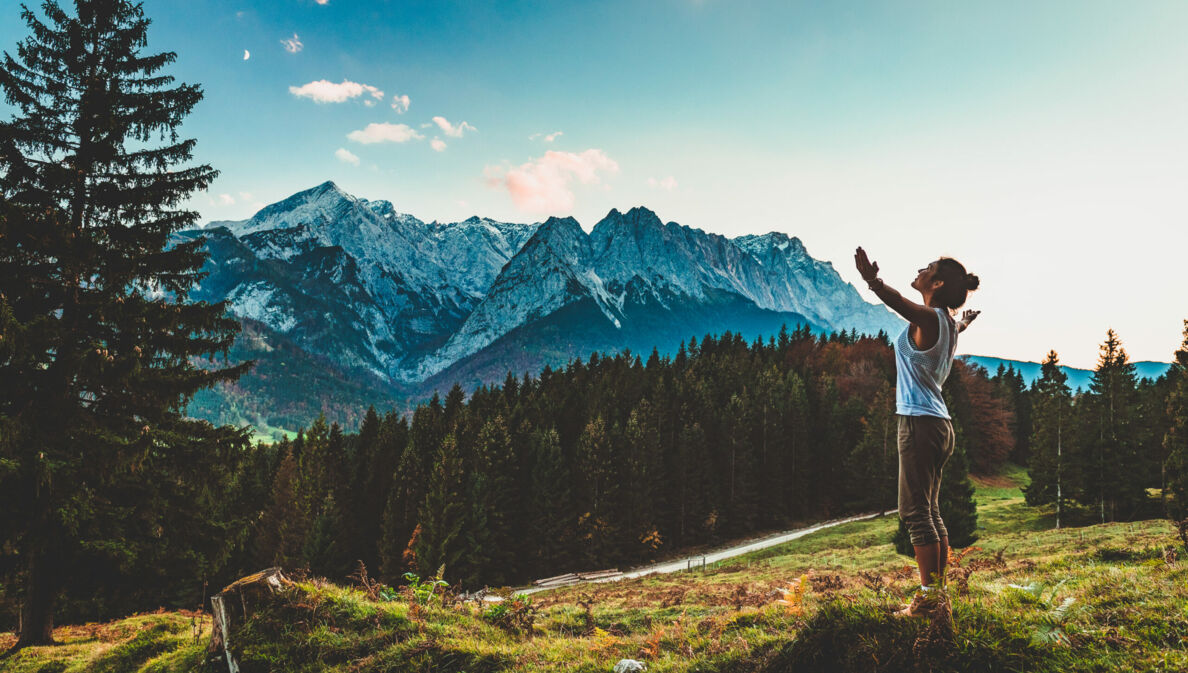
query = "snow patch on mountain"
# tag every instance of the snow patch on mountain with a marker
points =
(254, 300)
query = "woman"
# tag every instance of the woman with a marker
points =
(923, 357)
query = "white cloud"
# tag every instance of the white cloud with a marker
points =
(548, 138)
(322, 2)
(545, 185)
(400, 103)
(667, 184)
(325, 91)
(245, 196)
(384, 133)
(451, 130)
(345, 156)
(226, 200)
(293, 44)
(437, 144)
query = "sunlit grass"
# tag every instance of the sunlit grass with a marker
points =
(1096, 598)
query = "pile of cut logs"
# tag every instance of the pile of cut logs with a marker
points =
(574, 578)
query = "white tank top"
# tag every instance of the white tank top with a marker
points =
(919, 374)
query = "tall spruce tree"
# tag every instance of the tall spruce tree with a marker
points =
(495, 496)
(553, 517)
(1112, 473)
(444, 515)
(407, 490)
(91, 175)
(1051, 416)
(1175, 441)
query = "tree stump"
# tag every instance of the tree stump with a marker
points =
(222, 607)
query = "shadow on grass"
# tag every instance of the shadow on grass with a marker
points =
(845, 637)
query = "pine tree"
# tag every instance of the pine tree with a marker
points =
(376, 484)
(741, 491)
(873, 462)
(324, 549)
(495, 495)
(1052, 414)
(597, 464)
(553, 508)
(407, 491)
(443, 516)
(1111, 472)
(361, 459)
(283, 525)
(1012, 389)
(1175, 441)
(315, 469)
(643, 474)
(91, 174)
(984, 416)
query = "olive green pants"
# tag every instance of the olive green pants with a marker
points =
(925, 444)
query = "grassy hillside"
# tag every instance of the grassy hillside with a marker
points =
(1100, 598)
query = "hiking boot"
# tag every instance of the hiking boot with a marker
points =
(924, 604)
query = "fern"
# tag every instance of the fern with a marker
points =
(793, 595)
(1050, 630)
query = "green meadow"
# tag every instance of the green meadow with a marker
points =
(1026, 597)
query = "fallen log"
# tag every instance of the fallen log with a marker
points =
(598, 574)
(556, 578)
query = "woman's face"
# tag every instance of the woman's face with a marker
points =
(925, 277)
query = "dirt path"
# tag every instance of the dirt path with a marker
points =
(709, 557)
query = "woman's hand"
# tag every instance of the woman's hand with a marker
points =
(966, 318)
(922, 316)
(867, 269)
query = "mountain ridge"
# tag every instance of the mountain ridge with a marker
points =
(372, 288)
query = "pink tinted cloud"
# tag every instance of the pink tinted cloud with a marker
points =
(545, 185)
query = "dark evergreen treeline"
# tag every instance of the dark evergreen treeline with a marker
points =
(1097, 454)
(615, 461)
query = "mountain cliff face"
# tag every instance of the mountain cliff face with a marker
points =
(415, 303)
(633, 260)
(385, 288)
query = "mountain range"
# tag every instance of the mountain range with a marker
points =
(397, 308)
(1078, 379)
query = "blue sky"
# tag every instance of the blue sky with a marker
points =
(1044, 144)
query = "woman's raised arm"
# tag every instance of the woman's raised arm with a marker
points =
(918, 314)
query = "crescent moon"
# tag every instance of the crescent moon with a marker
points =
(246, 54)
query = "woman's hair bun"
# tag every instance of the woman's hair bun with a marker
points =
(971, 281)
